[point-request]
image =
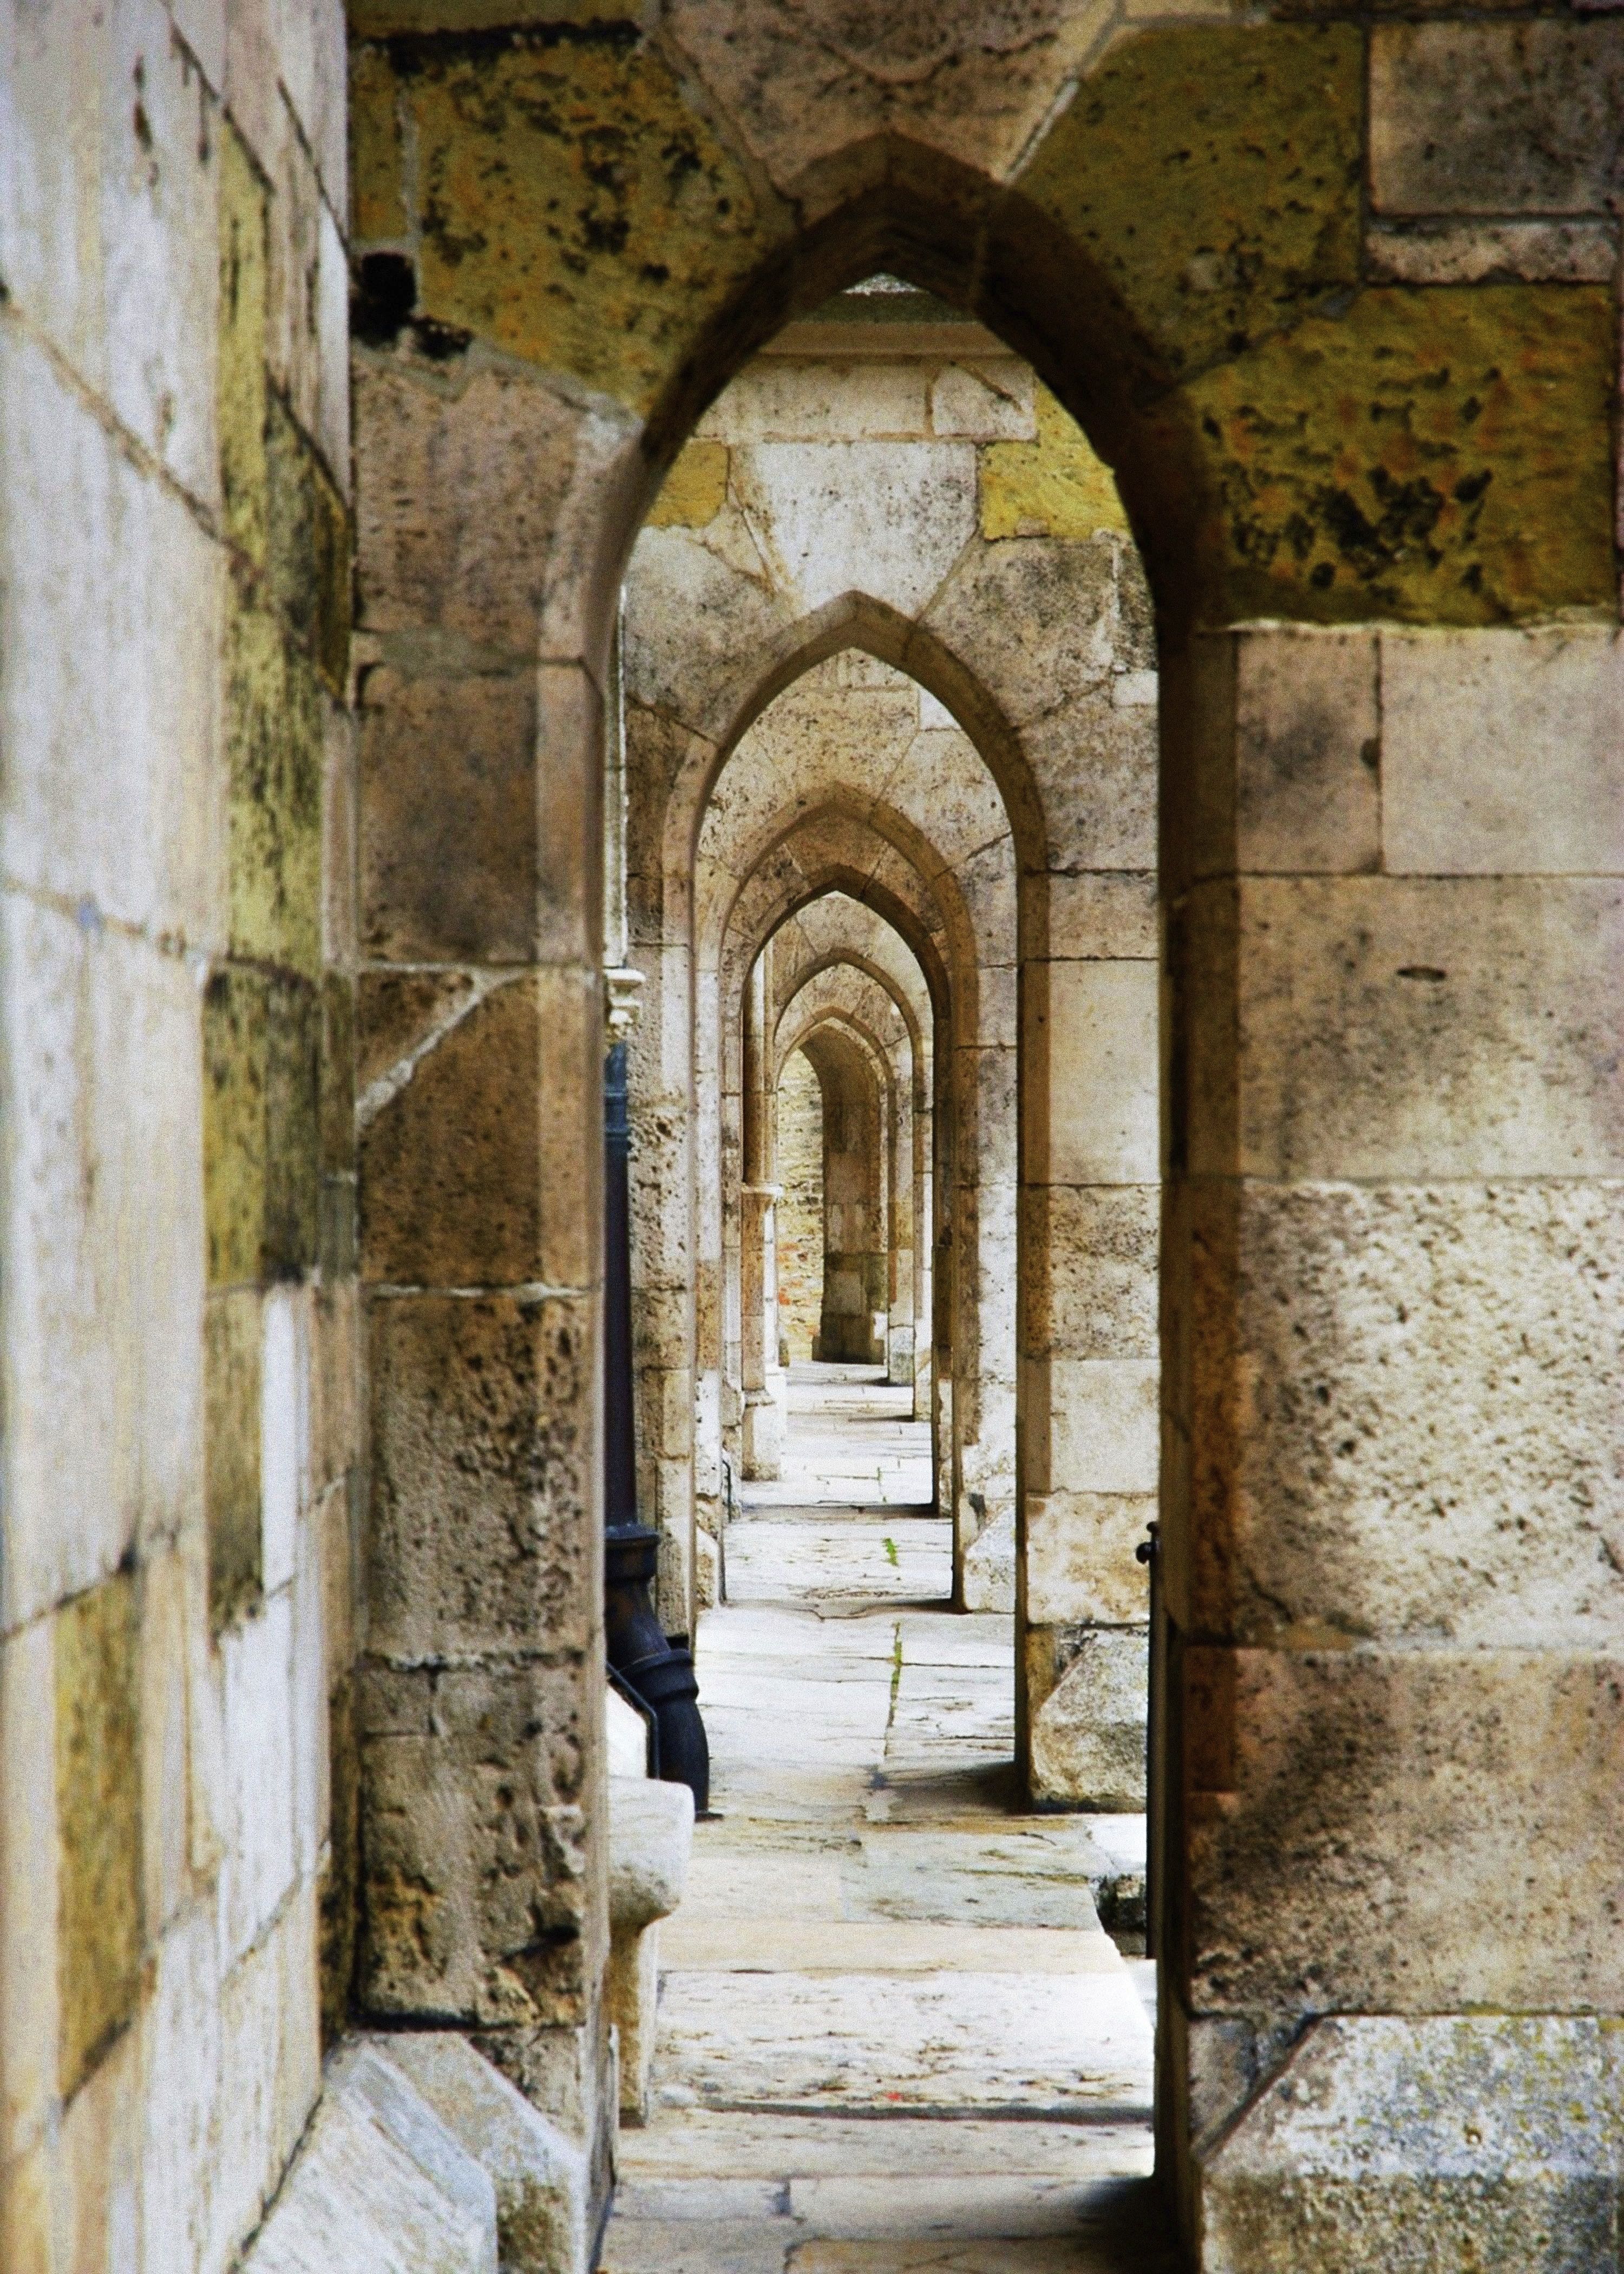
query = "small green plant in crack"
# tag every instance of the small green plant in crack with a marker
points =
(891, 1556)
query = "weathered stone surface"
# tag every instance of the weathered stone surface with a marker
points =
(448, 818)
(379, 2182)
(1051, 484)
(97, 1811)
(473, 1843)
(231, 1450)
(650, 1838)
(1081, 1563)
(1099, 1120)
(1405, 1029)
(1495, 119)
(1501, 753)
(1088, 1731)
(1308, 747)
(1493, 2137)
(1311, 1890)
(1421, 1435)
(539, 2175)
(1492, 252)
(481, 1473)
(1092, 1283)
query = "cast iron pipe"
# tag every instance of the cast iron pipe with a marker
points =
(657, 1669)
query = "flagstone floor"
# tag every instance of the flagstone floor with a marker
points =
(893, 2035)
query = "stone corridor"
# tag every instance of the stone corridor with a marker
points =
(892, 2034)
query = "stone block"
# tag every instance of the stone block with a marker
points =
(96, 2182)
(1048, 482)
(481, 1432)
(1107, 917)
(1097, 1113)
(380, 2180)
(1088, 1730)
(463, 490)
(777, 399)
(334, 1384)
(844, 517)
(539, 2174)
(989, 1578)
(1096, 763)
(167, 1598)
(100, 1930)
(1092, 1270)
(1359, 1821)
(181, 2058)
(1403, 1412)
(989, 402)
(29, 1900)
(463, 1183)
(1488, 2140)
(256, 1795)
(695, 489)
(1397, 1028)
(261, 1067)
(231, 1442)
(1491, 252)
(338, 835)
(474, 1844)
(448, 818)
(241, 390)
(308, 1706)
(1501, 752)
(1019, 611)
(569, 772)
(1081, 1561)
(309, 548)
(284, 1432)
(140, 834)
(1307, 755)
(1495, 119)
(1102, 1429)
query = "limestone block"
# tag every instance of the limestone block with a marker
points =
(96, 2182)
(1502, 752)
(1405, 1413)
(462, 489)
(474, 1843)
(1395, 1028)
(382, 2185)
(948, 78)
(1050, 483)
(777, 399)
(1081, 1564)
(261, 1136)
(447, 818)
(1096, 765)
(1495, 119)
(1088, 1732)
(168, 1597)
(270, 2070)
(651, 1838)
(181, 2058)
(461, 1183)
(284, 1432)
(29, 2018)
(233, 1437)
(1105, 915)
(1307, 738)
(989, 402)
(626, 1737)
(140, 834)
(1479, 251)
(293, 283)
(540, 2176)
(1361, 1817)
(1103, 1425)
(481, 1443)
(1037, 617)
(693, 647)
(838, 518)
(1099, 1111)
(1092, 1270)
(988, 1582)
(98, 1816)
(257, 1868)
(1491, 2139)
(312, 1748)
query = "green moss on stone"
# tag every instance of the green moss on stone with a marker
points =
(231, 1452)
(234, 1163)
(99, 1820)
(274, 750)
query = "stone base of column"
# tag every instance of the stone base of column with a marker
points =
(1480, 2140)
(762, 1436)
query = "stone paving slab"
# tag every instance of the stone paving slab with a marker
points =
(779, 2147)
(1061, 2045)
(800, 1945)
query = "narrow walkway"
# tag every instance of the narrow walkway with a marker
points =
(893, 2035)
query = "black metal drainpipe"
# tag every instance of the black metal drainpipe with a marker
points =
(657, 1671)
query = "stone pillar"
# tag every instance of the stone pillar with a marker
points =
(761, 1376)
(1394, 1316)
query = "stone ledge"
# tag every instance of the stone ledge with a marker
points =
(1488, 2140)
(422, 2158)
(651, 1838)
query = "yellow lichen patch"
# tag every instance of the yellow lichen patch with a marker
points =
(232, 1451)
(240, 384)
(1436, 456)
(377, 186)
(1211, 176)
(575, 210)
(696, 489)
(273, 735)
(98, 1819)
(1053, 487)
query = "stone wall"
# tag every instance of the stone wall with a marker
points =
(178, 1612)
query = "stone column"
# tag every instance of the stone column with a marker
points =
(761, 1376)
(1393, 1318)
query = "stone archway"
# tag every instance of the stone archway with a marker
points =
(1376, 517)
